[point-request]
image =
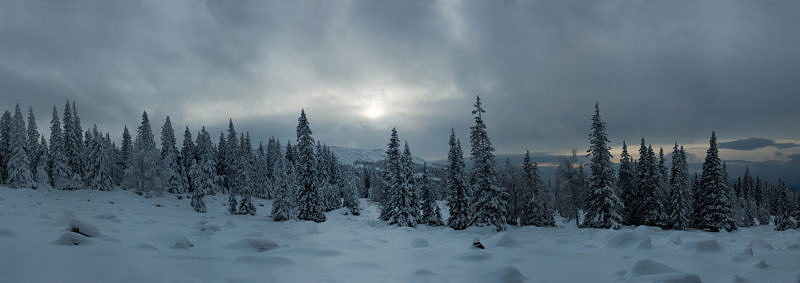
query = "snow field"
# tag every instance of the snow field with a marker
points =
(118, 236)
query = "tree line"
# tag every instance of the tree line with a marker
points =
(306, 180)
(639, 192)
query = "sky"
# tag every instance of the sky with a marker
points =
(668, 71)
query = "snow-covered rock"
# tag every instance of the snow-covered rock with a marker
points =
(72, 239)
(255, 245)
(83, 228)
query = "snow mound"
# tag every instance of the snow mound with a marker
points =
(269, 260)
(72, 239)
(649, 267)
(474, 255)
(648, 270)
(210, 228)
(508, 274)
(735, 279)
(760, 243)
(318, 251)
(256, 245)
(424, 272)
(761, 265)
(419, 243)
(704, 246)
(748, 251)
(6, 233)
(147, 247)
(507, 241)
(675, 239)
(645, 244)
(794, 247)
(83, 228)
(625, 239)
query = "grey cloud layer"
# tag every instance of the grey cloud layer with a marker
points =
(755, 143)
(666, 70)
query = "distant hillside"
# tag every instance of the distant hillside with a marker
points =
(349, 156)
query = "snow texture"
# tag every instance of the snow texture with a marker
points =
(138, 242)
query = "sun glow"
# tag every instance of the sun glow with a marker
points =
(374, 111)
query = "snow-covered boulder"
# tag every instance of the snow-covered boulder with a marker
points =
(760, 244)
(269, 260)
(703, 246)
(419, 243)
(508, 274)
(7, 233)
(83, 228)
(252, 244)
(626, 239)
(648, 270)
(72, 239)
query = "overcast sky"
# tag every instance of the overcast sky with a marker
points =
(664, 70)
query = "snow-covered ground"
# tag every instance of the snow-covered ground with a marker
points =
(162, 239)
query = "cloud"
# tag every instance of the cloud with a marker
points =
(755, 143)
(665, 70)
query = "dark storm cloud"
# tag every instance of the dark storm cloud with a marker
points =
(665, 70)
(755, 143)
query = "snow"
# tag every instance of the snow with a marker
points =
(134, 241)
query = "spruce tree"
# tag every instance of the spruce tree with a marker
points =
(198, 177)
(309, 200)
(410, 206)
(98, 166)
(246, 186)
(204, 181)
(42, 174)
(627, 187)
(173, 173)
(284, 206)
(61, 174)
(515, 199)
(714, 205)
(679, 217)
(650, 195)
(457, 191)
(431, 214)
(188, 154)
(349, 185)
(604, 208)
(73, 143)
(18, 166)
(783, 219)
(144, 171)
(399, 196)
(262, 173)
(124, 158)
(489, 206)
(536, 211)
(5, 144)
(32, 146)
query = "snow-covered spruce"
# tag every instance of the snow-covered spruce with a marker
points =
(489, 200)
(18, 165)
(457, 191)
(308, 198)
(714, 204)
(536, 211)
(431, 214)
(603, 207)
